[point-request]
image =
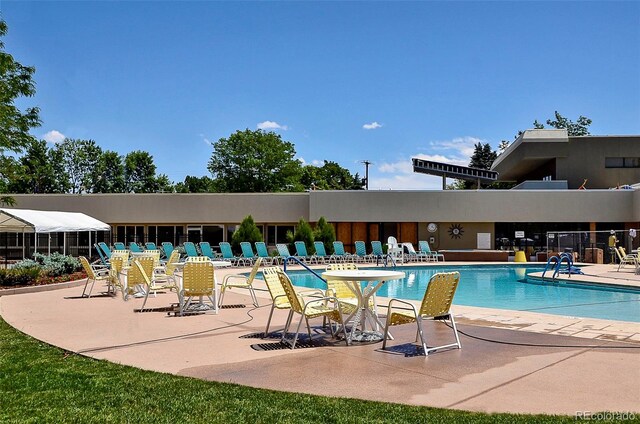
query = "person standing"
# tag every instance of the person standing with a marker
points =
(613, 241)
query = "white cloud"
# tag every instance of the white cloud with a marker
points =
(399, 175)
(271, 125)
(462, 145)
(372, 126)
(54, 137)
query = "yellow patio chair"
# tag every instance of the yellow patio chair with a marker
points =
(116, 265)
(436, 305)
(139, 278)
(241, 281)
(277, 293)
(327, 306)
(198, 281)
(625, 258)
(93, 275)
(168, 271)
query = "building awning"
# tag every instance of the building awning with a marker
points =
(33, 221)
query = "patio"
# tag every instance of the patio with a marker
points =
(483, 376)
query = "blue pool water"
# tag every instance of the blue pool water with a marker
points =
(505, 287)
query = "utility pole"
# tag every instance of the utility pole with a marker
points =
(366, 172)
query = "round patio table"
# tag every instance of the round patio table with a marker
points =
(374, 279)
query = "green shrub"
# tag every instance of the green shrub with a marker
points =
(20, 276)
(303, 233)
(247, 231)
(325, 233)
(53, 265)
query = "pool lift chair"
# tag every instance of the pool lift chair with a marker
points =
(436, 305)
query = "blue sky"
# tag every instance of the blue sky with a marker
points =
(343, 81)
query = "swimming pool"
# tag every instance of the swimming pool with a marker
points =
(505, 287)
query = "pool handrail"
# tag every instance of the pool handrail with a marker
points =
(294, 259)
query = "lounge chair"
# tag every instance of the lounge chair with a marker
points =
(227, 254)
(321, 253)
(135, 247)
(190, 249)
(435, 305)
(361, 252)
(625, 258)
(426, 249)
(247, 252)
(301, 252)
(93, 274)
(198, 281)
(283, 252)
(206, 250)
(103, 257)
(377, 252)
(241, 281)
(119, 246)
(105, 249)
(327, 306)
(262, 252)
(339, 254)
(412, 255)
(167, 248)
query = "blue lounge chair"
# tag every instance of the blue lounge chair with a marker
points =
(431, 254)
(301, 252)
(261, 250)
(167, 248)
(135, 247)
(227, 253)
(190, 249)
(339, 254)
(105, 249)
(379, 254)
(103, 258)
(283, 251)
(119, 246)
(361, 252)
(150, 246)
(206, 250)
(247, 252)
(321, 253)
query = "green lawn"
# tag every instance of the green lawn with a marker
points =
(40, 383)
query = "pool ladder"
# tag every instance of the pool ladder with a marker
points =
(557, 265)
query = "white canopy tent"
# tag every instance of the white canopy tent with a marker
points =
(33, 221)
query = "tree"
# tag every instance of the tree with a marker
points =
(40, 171)
(16, 81)
(482, 158)
(303, 233)
(330, 176)
(325, 233)
(109, 174)
(80, 159)
(254, 162)
(247, 231)
(195, 185)
(140, 173)
(581, 127)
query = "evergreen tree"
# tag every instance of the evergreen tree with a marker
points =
(325, 233)
(247, 231)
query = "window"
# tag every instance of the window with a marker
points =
(622, 162)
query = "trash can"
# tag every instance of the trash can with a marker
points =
(520, 256)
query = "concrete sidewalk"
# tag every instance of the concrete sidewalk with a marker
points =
(492, 376)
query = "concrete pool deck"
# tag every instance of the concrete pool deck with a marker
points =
(506, 363)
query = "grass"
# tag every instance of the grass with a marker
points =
(41, 383)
